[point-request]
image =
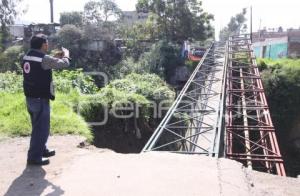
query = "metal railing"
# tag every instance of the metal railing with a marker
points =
(227, 80)
(194, 122)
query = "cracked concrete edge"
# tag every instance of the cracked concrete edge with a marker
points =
(232, 178)
(219, 175)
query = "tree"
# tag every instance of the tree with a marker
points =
(137, 36)
(162, 59)
(74, 18)
(91, 46)
(178, 20)
(70, 36)
(281, 80)
(235, 26)
(99, 32)
(98, 60)
(10, 59)
(101, 11)
(8, 13)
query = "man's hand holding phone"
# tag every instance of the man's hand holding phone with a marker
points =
(66, 52)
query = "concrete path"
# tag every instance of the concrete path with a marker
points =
(92, 171)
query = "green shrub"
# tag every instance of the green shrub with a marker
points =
(148, 85)
(261, 65)
(125, 67)
(92, 106)
(135, 90)
(282, 83)
(162, 59)
(66, 80)
(11, 82)
(70, 36)
(191, 65)
(281, 80)
(15, 120)
(10, 59)
(64, 119)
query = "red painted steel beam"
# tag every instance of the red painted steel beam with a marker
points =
(250, 134)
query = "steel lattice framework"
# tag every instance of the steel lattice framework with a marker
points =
(193, 123)
(250, 135)
(222, 111)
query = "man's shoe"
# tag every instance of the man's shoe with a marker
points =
(44, 161)
(49, 153)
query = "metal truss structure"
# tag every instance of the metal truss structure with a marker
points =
(250, 135)
(222, 111)
(194, 122)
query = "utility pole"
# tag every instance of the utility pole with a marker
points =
(51, 11)
(251, 23)
(259, 30)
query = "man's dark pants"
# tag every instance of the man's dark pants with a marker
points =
(39, 111)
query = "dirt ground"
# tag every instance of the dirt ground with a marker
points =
(93, 171)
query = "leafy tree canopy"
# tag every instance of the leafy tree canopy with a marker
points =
(178, 20)
(70, 36)
(8, 13)
(235, 26)
(74, 18)
(101, 11)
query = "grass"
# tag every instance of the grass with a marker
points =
(281, 80)
(281, 69)
(286, 62)
(134, 88)
(15, 120)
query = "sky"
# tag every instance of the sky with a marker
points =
(266, 13)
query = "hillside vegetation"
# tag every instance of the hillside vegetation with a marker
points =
(281, 80)
(79, 101)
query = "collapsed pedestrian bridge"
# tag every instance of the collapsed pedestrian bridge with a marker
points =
(222, 111)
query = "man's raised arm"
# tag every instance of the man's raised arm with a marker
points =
(50, 62)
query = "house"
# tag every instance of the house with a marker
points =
(95, 45)
(131, 17)
(277, 44)
(23, 31)
(47, 29)
(17, 31)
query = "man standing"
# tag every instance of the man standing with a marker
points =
(38, 88)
